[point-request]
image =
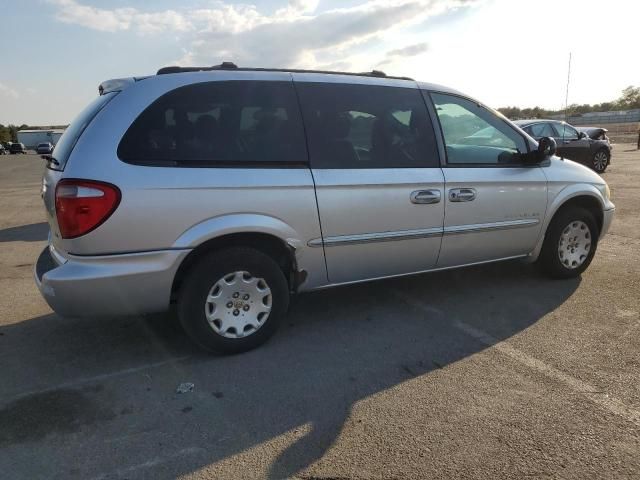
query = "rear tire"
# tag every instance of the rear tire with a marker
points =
(233, 300)
(600, 160)
(570, 243)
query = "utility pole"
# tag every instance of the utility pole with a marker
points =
(566, 97)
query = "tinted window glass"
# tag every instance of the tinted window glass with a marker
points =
(219, 123)
(542, 130)
(71, 135)
(475, 135)
(366, 126)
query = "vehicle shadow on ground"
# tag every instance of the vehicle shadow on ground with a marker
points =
(337, 347)
(34, 232)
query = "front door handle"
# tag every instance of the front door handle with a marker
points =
(462, 194)
(425, 196)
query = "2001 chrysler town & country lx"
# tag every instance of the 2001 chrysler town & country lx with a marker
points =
(226, 189)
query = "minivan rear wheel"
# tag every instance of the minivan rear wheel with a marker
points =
(570, 243)
(233, 300)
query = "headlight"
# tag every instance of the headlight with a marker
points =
(604, 190)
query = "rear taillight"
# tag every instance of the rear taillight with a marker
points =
(83, 205)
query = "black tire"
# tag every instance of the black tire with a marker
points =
(204, 275)
(549, 259)
(597, 165)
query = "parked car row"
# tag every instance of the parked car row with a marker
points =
(7, 148)
(588, 145)
(44, 148)
(597, 133)
(13, 148)
(226, 191)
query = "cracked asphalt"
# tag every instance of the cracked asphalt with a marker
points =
(485, 372)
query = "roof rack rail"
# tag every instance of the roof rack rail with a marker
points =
(375, 73)
(233, 66)
(176, 69)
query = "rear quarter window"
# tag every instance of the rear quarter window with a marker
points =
(70, 137)
(225, 123)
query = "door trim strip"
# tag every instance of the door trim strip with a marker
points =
(487, 227)
(397, 235)
(376, 237)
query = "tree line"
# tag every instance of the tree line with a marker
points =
(629, 100)
(10, 132)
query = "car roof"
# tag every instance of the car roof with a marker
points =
(535, 120)
(229, 66)
(232, 72)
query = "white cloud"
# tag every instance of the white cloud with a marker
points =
(506, 56)
(303, 39)
(227, 19)
(409, 50)
(296, 8)
(129, 18)
(402, 53)
(7, 91)
(293, 36)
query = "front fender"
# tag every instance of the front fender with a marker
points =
(569, 192)
(557, 200)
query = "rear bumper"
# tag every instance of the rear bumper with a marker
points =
(126, 284)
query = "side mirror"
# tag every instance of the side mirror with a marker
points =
(546, 147)
(581, 135)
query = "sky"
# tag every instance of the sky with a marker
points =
(502, 52)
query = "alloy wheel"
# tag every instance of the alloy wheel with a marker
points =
(600, 160)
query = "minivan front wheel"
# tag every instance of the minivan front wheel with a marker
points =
(233, 300)
(570, 243)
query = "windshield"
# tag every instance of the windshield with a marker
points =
(71, 135)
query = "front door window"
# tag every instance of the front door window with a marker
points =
(475, 135)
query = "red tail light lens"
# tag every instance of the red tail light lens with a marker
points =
(84, 205)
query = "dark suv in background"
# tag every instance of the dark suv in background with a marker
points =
(597, 133)
(17, 148)
(574, 145)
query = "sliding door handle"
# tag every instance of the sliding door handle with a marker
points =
(425, 196)
(462, 194)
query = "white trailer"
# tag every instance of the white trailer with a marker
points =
(31, 138)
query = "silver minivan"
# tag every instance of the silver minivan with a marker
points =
(225, 189)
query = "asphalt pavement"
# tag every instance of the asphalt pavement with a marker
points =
(485, 372)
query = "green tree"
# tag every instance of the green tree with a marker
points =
(629, 99)
(5, 134)
(13, 131)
